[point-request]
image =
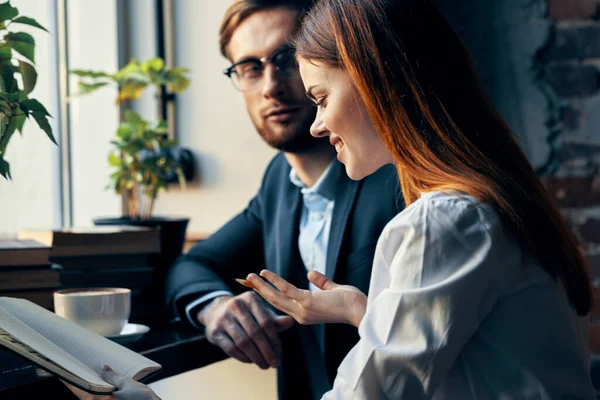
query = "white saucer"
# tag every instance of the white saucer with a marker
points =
(130, 333)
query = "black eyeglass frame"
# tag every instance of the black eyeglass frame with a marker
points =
(262, 61)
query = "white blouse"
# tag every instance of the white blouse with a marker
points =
(457, 310)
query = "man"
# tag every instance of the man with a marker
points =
(307, 215)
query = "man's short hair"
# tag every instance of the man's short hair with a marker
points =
(242, 9)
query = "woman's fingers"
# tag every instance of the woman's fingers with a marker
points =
(278, 299)
(284, 286)
(321, 281)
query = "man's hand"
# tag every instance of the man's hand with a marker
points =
(332, 304)
(245, 328)
(127, 388)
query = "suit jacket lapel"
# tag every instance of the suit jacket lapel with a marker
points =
(288, 219)
(345, 195)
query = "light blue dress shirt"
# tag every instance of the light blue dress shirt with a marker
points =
(315, 220)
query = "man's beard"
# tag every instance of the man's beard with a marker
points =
(295, 138)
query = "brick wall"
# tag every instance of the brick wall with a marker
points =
(570, 64)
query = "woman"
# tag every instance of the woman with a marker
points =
(478, 289)
(478, 285)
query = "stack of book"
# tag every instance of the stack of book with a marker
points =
(107, 256)
(25, 271)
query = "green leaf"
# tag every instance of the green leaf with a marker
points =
(124, 133)
(83, 73)
(85, 88)
(153, 65)
(176, 79)
(42, 121)
(135, 146)
(20, 122)
(116, 174)
(22, 43)
(133, 118)
(150, 135)
(5, 54)
(8, 83)
(4, 168)
(179, 70)
(29, 75)
(9, 130)
(3, 124)
(179, 84)
(28, 21)
(114, 160)
(13, 97)
(118, 186)
(34, 106)
(131, 68)
(7, 11)
(23, 106)
(161, 127)
(5, 108)
(131, 91)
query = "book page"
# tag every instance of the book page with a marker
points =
(89, 348)
(22, 339)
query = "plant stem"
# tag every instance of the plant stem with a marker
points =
(150, 207)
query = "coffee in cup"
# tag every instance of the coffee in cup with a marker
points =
(101, 310)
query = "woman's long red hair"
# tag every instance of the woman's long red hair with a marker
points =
(422, 92)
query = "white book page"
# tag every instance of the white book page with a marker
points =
(35, 343)
(88, 347)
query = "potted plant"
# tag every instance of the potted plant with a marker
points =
(144, 159)
(17, 58)
(142, 162)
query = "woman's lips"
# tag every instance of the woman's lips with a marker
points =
(336, 142)
(338, 146)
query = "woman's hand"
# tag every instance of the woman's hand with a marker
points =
(127, 388)
(332, 304)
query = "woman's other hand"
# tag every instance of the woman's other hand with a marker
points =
(332, 304)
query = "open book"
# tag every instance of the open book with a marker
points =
(66, 349)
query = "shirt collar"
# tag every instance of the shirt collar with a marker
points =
(325, 185)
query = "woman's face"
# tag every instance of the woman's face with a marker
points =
(343, 117)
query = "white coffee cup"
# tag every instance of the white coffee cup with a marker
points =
(101, 310)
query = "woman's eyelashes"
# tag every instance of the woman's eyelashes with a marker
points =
(320, 102)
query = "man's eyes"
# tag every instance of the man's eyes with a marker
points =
(250, 68)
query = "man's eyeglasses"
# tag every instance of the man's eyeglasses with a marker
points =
(248, 73)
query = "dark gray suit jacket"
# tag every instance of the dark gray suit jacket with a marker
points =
(265, 236)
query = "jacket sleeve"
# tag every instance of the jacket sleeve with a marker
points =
(211, 266)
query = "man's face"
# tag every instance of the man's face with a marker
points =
(277, 104)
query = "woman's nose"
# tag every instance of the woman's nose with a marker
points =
(318, 129)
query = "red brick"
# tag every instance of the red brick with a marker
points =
(571, 117)
(574, 43)
(577, 151)
(594, 266)
(595, 337)
(589, 232)
(595, 323)
(574, 192)
(596, 307)
(572, 9)
(572, 79)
